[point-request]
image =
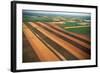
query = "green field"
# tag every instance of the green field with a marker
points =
(83, 30)
(69, 24)
(36, 19)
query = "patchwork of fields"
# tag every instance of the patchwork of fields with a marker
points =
(50, 42)
(49, 37)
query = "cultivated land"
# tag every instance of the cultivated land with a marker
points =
(48, 38)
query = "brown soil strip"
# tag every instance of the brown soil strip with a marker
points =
(41, 50)
(66, 36)
(29, 54)
(55, 47)
(72, 49)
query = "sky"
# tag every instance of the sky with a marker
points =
(56, 13)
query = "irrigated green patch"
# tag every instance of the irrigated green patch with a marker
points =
(83, 30)
(69, 24)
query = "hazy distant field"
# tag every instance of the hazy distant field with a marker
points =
(82, 30)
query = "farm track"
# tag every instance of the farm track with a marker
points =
(54, 45)
(76, 27)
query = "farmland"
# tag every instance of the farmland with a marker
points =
(55, 37)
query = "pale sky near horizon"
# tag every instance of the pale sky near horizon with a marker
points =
(57, 12)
